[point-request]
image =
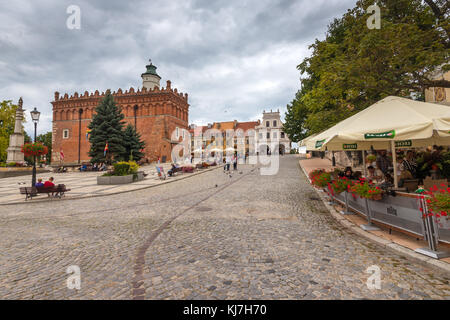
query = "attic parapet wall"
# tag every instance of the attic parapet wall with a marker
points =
(149, 102)
(120, 93)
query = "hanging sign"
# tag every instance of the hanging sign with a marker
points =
(387, 135)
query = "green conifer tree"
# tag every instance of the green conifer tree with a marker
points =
(133, 144)
(106, 127)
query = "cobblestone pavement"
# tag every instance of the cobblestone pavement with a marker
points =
(81, 184)
(211, 236)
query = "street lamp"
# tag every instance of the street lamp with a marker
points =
(35, 117)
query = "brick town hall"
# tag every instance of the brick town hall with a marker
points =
(155, 112)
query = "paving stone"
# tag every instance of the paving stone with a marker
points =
(263, 237)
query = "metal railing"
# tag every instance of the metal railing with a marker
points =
(408, 213)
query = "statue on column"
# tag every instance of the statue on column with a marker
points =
(16, 140)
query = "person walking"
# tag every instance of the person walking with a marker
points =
(234, 162)
(228, 162)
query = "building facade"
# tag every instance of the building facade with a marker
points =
(246, 138)
(223, 137)
(439, 95)
(157, 114)
(270, 137)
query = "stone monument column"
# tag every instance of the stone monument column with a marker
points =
(16, 139)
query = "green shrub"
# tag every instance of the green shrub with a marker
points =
(124, 168)
(133, 167)
(11, 164)
(121, 168)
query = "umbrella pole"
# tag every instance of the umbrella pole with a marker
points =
(364, 163)
(394, 160)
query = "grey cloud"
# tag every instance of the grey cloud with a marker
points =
(238, 56)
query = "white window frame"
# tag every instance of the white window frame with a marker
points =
(64, 133)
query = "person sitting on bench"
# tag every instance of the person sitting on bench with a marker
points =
(49, 183)
(39, 183)
(172, 171)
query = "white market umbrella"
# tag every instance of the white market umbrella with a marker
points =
(393, 122)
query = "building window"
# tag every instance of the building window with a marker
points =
(268, 135)
(66, 134)
(282, 135)
(267, 124)
(274, 135)
(260, 136)
(274, 123)
(177, 133)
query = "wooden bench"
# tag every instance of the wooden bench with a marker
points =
(29, 192)
(174, 171)
(188, 169)
(57, 191)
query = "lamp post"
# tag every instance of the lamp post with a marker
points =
(35, 117)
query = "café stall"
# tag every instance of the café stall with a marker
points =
(391, 124)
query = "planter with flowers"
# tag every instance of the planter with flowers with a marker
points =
(340, 185)
(366, 190)
(438, 202)
(320, 178)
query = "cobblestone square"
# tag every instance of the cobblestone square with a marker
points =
(211, 236)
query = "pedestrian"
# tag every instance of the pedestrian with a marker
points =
(228, 162)
(234, 162)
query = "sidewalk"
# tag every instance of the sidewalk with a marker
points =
(398, 241)
(317, 163)
(84, 184)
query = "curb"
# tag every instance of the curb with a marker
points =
(109, 194)
(392, 246)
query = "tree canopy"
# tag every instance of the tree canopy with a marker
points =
(133, 144)
(354, 66)
(46, 140)
(106, 127)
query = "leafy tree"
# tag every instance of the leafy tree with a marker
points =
(295, 118)
(7, 122)
(354, 67)
(46, 140)
(133, 144)
(106, 127)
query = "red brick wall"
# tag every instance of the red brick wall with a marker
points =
(159, 112)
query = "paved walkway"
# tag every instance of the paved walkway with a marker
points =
(212, 236)
(82, 184)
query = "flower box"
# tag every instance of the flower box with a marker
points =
(107, 180)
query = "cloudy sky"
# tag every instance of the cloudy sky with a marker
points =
(233, 58)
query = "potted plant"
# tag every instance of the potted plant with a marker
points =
(366, 190)
(321, 180)
(34, 149)
(371, 158)
(340, 185)
(123, 172)
(438, 201)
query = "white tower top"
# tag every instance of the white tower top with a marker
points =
(150, 79)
